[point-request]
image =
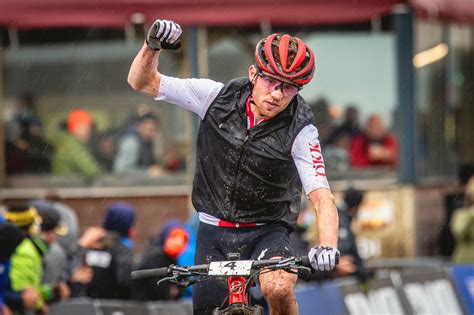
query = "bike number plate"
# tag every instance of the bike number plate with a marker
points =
(230, 268)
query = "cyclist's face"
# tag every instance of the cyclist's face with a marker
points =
(271, 95)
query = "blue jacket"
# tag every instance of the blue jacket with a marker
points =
(7, 296)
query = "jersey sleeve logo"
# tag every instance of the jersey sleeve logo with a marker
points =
(317, 158)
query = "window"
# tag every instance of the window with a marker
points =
(89, 75)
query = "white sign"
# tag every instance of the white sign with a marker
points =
(432, 297)
(230, 268)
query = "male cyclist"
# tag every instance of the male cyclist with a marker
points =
(256, 146)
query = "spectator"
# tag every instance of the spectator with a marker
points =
(29, 153)
(336, 152)
(452, 201)
(350, 125)
(72, 155)
(108, 252)
(350, 262)
(375, 146)
(10, 237)
(55, 262)
(67, 233)
(136, 150)
(336, 155)
(26, 267)
(323, 119)
(38, 151)
(105, 148)
(162, 251)
(24, 110)
(462, 226)
(186, 258)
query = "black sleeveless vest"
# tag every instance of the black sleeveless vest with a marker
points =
(248, 176)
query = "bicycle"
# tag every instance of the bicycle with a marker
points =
(240, 276)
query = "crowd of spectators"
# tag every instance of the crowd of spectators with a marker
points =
(44, 258)
(79, 148)
(48, 259)
(350, 145)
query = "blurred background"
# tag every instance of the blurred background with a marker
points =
(398, 70)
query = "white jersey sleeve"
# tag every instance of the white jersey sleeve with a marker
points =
(192, 94)
(306, 152)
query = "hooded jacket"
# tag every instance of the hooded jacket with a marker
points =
(155, 257)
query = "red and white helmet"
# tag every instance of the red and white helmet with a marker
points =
(272, 54)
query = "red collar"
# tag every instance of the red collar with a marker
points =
(251, 120)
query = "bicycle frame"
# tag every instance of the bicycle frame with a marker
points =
(237, 289)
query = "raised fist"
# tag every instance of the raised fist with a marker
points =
(164, 34)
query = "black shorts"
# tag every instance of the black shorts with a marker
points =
(214, 243)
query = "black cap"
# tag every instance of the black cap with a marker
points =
(49, 218)
(10, 237)
(43, 206)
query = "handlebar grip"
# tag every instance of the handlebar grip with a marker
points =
(305, 261)
(150, 273)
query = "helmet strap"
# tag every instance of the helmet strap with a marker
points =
(252, 85)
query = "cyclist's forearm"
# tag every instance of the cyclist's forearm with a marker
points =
(143, 75)
(327, 217)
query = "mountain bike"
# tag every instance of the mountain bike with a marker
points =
(240, 276)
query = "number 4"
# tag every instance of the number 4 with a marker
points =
(231, 265)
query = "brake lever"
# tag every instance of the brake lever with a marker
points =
(286, 261)
(304, 268)
(173, 279)
(289, 265)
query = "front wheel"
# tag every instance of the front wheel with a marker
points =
(239, 309)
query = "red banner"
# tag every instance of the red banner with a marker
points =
(117, 13)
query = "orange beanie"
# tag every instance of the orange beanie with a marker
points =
(78, 118)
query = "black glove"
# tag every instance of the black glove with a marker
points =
(164, 34)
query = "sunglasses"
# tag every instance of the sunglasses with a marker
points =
(273, 84)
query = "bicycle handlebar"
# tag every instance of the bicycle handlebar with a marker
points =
(166, 271)
(256, 264)
(150, 273)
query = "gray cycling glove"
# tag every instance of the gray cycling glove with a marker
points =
(323, 258)
(164, 34)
